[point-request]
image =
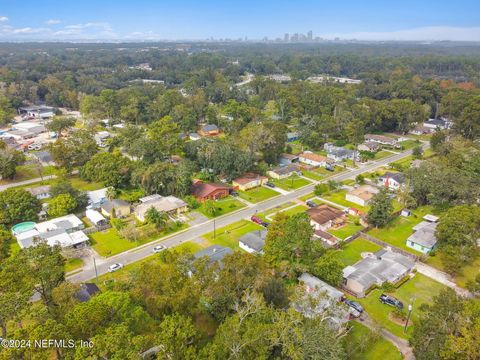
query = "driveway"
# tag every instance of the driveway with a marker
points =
(441, 277)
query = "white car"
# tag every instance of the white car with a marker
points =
(158, 248)
(34, 147)
(114, 267)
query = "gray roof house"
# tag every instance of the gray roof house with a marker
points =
(339, 153)
(384, 266)
(86, 291)
(215, 253)
(44, 157)
(392, 180)
(253, 242)
(423, 239)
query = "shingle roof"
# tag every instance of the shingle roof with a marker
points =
(254, 239)
(249, 177)
(324, 213)
(424, 234)
(284, 170)
(201, 189)
(398, 177)
(214, 253)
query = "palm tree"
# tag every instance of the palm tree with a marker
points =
(111, 193)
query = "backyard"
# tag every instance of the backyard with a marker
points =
(351, 227)
(223, 206)
(350, 253)
(292, 183)
(229, 235)
(258, 194)
(320, 173)
(418, 290)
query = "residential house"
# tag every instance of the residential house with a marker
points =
(287, 159)
(361, 195)
(283, 172)
(393, 181)
(315, 160)
(95, 217)
(249, 181)
(96, 198)
(321, 297)
(381, 139)
(253, 242)
(65, 231)
(279, 77)
(86, 291)
(209, 191)
(370, 146)
(44, 157)
(168, 204)
(194, 136)
(209, 130)
(100, 138)
(119, 208)
(384, 266)
(38, 112)
(339, 153)
(328, 239)
(420, 130)
(293, 136)
(32, 127)
(423, 239)
(40, 192)
(324, 217)
(437, 124)
(214, 253)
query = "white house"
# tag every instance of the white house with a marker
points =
(312, 159)
(253, 242)
(393, 181)
(40, 192)
(361, 195)
(95, 217)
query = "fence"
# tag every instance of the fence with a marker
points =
(93, 229)
(385, 244)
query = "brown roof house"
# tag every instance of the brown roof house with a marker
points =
(249, 181)
(361, 195)
(168, 204)
(209, 130)
(324, 217)
(209, 191)
(312, 159)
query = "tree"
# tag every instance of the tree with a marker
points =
(61, 185)
(165, 137)
(417, 152)
(355, 133)
(468, 124)
(329, 269)
(112, 169)
(289, 242)
(61, 205)
(437, 140)
(9, 160)
(111, 193)
(381, 208)
(6, 238)
(60, 123)
(157, 218)
(7, 112)
(75, 150)
(177, 338)
(321, 189)
(210, 207)
(17, 205)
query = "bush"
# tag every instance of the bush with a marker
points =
(320, 189)
(192, 202)
(360, 179)
(117, 224)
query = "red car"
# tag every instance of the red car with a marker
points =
(256, 220)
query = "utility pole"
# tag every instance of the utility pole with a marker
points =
(95, 266)
(214, 230)
(410, 308)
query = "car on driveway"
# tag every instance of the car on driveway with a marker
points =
(256, 220)
(354, 305)
(234, 193)
(158, 248)
(265, 224)
(270, 185)
(390, 300)
(311, 204)
(114, 267)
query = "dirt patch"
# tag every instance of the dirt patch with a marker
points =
(398, 321)
(366, 254)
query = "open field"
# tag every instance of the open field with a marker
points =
(350, 253)
(229, 235)
(292, 183)
(258, 194)
(224, 206)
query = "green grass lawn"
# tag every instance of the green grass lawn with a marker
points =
(313, 175)
(292, 183)
(382, 154)
(295, 210)
(73, 264)
(258, 194)
(224, 206)
(419, 290)
(320, 173)
(361, 343)
(30, 171)
(346, 230)
(84, 185)
(229, 235)
(466, 273)
(338, 197)
(350, 253)
(409, 144)
(274, 210)
(400, 228)
(109, 242)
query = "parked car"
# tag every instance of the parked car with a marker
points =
(158, 248)
(390, 300)
(269, 184)
(234, 193)
(34, 147)
(265, 224)
(311, 204)
(256, 220)
(354, 305)
(114, 267)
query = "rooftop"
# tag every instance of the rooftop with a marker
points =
(201, 189)
(424, 234)
(284, 170)
(254, 239)
(214, 253)
(364, 192)
(324, 213)
(249, 177)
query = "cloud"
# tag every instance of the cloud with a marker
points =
(53, 22)
(3, 18)
(429, 33)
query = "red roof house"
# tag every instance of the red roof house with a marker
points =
(210, 191)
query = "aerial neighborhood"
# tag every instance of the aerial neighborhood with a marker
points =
(212, 201)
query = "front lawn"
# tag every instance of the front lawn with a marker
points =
(346, 230)
(29, 171)
(73, 264)
(383, 154)
(292, 183)
(229, 235)
(362, 343)
(418, 290)
(274, 210)
(223, 206)
(400, 228)
(258, 194)
(409, 144)
(350, 253)
(109, 242)
(338, 197)
(84, 185)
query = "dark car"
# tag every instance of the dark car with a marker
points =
(234, 193)
(256, 220)
(265, 224)
(390, 300)
(269, 184)
(354, 305)
(311, 204)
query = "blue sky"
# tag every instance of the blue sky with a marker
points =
(183, 19)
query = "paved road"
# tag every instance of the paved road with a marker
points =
(442, 278)
(26, 182)
(131, 256)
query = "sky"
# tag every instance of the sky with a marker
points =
(416, 20)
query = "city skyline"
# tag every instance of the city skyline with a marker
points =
(190, 20)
